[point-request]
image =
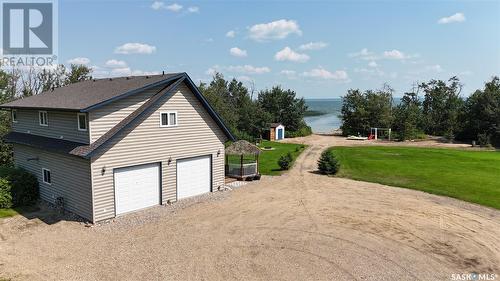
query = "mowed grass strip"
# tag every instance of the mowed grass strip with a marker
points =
(5, 213)
(472, 176)
(268, 159)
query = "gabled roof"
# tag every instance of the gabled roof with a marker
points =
(87, 95)
(168, 81)
(274, 125)
(87, 150)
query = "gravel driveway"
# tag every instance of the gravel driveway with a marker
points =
(300, 226)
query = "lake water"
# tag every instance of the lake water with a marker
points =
(329, 121)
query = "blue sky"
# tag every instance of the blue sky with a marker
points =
(317, 48)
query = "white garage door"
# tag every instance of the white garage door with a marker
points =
(137, 187)
(193, 176)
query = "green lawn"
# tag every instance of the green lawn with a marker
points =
(472, 176)
(268, 159)
(4, 213)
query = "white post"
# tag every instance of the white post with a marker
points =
(376, 133)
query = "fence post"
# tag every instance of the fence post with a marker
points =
(241, 168)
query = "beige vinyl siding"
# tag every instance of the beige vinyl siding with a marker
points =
(105, 118)
(61, 123)
(146, 142)
(70, 177)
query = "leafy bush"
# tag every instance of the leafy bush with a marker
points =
(22, 185)
(285, 161)
(328, 163)
(483, 139)
(302, 132)
(5, 197)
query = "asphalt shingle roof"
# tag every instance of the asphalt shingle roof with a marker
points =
(86, 95)
(45, 143)
(83, 95)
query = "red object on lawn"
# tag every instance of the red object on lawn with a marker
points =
(371, 137)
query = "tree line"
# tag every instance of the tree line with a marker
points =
(248, 117)
(435, 107)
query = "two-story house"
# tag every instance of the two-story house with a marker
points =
(113, 146)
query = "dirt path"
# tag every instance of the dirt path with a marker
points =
(301, 226)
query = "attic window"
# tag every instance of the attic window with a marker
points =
(43, 118)
(14, 115)
(82, 122)
(168, 119)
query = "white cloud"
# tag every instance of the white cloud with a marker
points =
(245, 69)
(79, 60)
(288, 72)
(321, 73)
(211, 71)
(275, 30)
(194, 9)
(395, 54)
(288, 54)
(231, 34)
(135, 48)
(122, 71)
(364, 54)
(369, 72)
(174, 7)
(249, 69)
(99, 72)
(209, 40)
(313, 46)
(115, 64)
(372, 64)
(237, 52)
(157, 5)
(458, 17)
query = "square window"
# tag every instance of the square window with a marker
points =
(14, 115)
(82, 122)
(168, 119)
(46, 176)
(43, 118)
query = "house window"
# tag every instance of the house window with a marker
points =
(43, 118)
(82, 122)
(168, 119)
(46, 176)
(14, 115)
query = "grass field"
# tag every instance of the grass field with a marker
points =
(268, 159)
(472, 176)
(4, 213)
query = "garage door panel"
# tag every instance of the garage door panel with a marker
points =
(193, 176)
(137, 187)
